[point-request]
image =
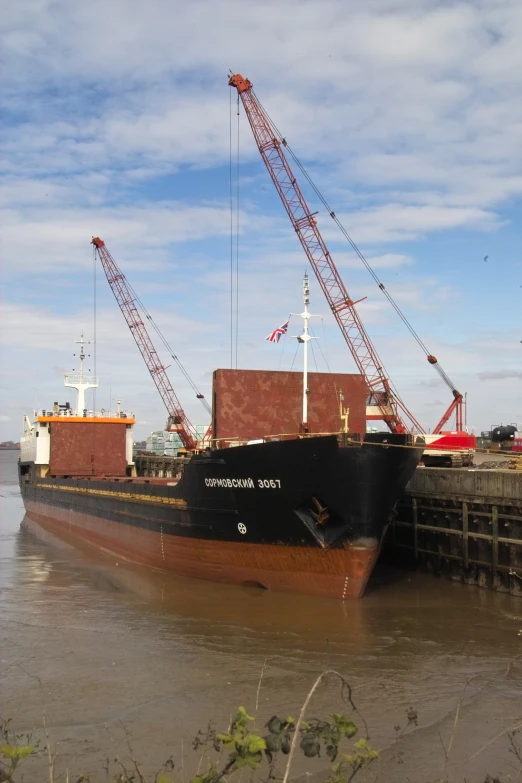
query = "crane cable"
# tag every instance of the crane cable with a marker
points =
(237, 230)
(234, 284)
(94, 308)
(345, 233)
(396, 394)
(231, 205)
(173, 355)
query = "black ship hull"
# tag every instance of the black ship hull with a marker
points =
(305, 515)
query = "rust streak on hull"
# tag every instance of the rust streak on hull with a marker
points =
(335, 573)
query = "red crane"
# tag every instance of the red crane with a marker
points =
(456, 406)
(382, 403)
(177, 421)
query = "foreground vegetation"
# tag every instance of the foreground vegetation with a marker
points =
(264, 753)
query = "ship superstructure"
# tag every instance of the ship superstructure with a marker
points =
(77, 441)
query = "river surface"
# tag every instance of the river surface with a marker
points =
(100, 648)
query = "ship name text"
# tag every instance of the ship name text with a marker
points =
(243, 483)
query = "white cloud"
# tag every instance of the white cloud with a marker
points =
(41, 338)
(394, 222)
(45, 239)
(434, 81)
(500, 375)
(384, 261)
(404, 112)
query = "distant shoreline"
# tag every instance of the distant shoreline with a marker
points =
(9, 448)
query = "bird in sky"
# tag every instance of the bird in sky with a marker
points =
(486, 258)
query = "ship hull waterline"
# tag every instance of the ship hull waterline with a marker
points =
(344, 572)
(258, 528)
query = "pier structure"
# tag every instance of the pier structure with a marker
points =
(461, 523)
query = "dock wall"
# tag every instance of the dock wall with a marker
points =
(461, 523)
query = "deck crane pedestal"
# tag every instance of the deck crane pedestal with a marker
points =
(177, 419)
(383, 403)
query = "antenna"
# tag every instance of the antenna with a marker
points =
(79, 381)
(305, 338)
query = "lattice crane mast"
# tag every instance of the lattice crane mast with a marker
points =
(177, 421)
(382, 403)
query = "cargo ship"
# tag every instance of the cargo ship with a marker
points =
(301, 512)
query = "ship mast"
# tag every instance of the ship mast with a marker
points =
(305, 338)
(79, 381)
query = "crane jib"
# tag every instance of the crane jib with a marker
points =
(305, 226)
(269, 141)
(126, 302)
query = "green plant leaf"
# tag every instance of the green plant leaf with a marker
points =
(274, 742)
(254, 743)
(310, 747)
(345, 726)
(207, 777)
(275, 725)
(16, 752)
(239, 737)
(253, 761)
(228, 741)
(364, 752)
(332, 751)
(242, 716)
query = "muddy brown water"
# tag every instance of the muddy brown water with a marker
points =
(102, 647)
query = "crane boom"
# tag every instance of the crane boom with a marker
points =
(178, 421)
(455, 407)
(383, 404)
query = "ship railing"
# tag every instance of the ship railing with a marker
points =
(222, 443)
(344, 438)
(87, 414)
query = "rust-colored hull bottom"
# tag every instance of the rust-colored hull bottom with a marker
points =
(334, 573)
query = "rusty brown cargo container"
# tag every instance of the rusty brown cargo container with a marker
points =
(87, 448)
(249, 404)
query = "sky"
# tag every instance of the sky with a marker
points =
(118, 123)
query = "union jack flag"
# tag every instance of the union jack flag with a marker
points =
(276, 335)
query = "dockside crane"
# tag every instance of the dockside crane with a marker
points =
(177, 419)
(383, 402)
